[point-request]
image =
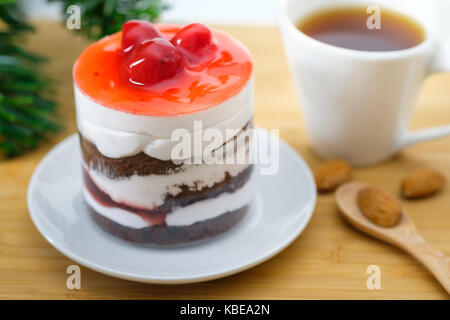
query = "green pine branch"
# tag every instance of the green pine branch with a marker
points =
(26, 116)
(103, 17)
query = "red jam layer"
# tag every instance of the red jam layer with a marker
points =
(153, 217)
(97, 73)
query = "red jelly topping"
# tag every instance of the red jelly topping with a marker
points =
(152, 61)
(196, 42)
(136, 31)
(190, 70)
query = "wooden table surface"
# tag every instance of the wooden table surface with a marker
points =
(328, 261)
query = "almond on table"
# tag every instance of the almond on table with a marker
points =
(332, 174)
(422, 183)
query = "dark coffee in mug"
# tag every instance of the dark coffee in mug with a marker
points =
(354, 28)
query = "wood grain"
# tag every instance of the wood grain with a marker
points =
(328, 261)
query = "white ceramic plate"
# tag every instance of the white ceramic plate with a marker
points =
(283, 206)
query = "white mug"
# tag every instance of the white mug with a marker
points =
(357, 104)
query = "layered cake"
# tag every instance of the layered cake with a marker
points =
(144, 98)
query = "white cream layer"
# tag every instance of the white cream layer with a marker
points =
(119, 134)
(149, 192)
(181, 216)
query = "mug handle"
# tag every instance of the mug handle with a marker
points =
(440, 63)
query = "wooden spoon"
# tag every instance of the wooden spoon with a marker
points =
(403, 235)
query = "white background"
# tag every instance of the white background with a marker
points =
(208, 11)
(257, 12)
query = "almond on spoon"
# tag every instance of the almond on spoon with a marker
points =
(379, 206)
(403, 234)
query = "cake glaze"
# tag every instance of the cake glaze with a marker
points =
(97, 74)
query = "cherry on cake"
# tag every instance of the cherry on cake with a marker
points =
(133, 90)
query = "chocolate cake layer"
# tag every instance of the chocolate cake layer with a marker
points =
(172, 235)
(182, 199)
(140, 164)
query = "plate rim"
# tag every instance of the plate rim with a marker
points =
(170, 280)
